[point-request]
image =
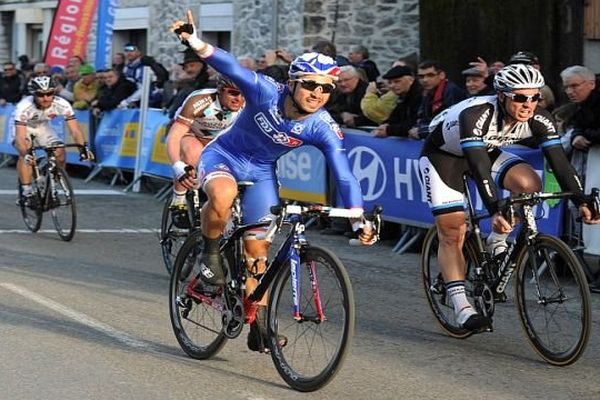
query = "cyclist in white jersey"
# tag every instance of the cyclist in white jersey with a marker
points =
(32, 118)
(469, 137)
(203, 114)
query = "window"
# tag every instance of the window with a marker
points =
(591, 25)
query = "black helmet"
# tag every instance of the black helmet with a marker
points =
(223, 81)
(41, 84)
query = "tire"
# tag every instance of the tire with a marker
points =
(32, 217)
(62, 205)
(435, 288)
(171, 237)
(302, 363)
(197, 325)
(558, 330)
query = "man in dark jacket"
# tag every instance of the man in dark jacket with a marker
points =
(579, 84)
(10, 85)
(197, 72)
(403, 84)
(440, 94)
(117, 89)
(345, 106)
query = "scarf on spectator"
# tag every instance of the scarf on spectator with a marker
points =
(438, 97)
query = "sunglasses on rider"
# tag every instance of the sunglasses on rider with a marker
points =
(232, 92)
(312, 86)
(44, 94)
(522, 98)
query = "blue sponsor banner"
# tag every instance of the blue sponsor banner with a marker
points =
(302, 175)
(116, 138)
(154, 158)
(6, 127)
(106, 20)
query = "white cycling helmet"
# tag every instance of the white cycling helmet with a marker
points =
(314, 63)
(41, 84)
(518, 76)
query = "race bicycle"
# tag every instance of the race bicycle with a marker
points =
(52, 191)
(311, 301)
(550, 289)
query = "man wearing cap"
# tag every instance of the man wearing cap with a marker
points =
(403, 84)
(528, 58)
(85, 90)
(197, 73)
(475, 82)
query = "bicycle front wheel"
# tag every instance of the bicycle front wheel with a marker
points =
(31, 208)
(62, 205)
(196, 318)
(435, 287)
(319, 337)
(553, 300)
(171, 237)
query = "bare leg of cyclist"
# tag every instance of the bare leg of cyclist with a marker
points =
(520, 178)
(256, 256)
(451, 234)
(221, 191)
(24, 172)
(60, 157)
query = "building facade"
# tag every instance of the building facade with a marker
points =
(388, 28)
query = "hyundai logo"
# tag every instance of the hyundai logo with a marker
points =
(369, 170)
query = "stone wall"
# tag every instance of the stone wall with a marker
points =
(388, 28)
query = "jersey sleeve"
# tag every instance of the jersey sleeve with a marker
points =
(473, 122)
(330, 140)
(193, 107)
(543, 127)
(64, 108)
(246, 80)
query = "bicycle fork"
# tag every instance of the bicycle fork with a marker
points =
(296, 293)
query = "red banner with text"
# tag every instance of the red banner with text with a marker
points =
(70, 31)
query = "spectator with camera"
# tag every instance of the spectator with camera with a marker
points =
(134, 70)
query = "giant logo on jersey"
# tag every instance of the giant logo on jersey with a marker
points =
(369, 170)
(546, 122)
(277, 137)
(478, 130)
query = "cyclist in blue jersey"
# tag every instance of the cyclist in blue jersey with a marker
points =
(277, 118)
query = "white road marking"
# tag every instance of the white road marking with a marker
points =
(79, 192)
(122, 230)
(79, 317)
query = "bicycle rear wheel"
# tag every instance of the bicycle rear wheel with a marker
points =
(553, 300)
(315, 347)
(31, 210)
(62, 205)
(196, 320)
(171, 237)
(435, 287)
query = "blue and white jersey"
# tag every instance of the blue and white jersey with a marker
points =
(262, 132)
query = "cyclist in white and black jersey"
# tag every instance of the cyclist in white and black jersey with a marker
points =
(32, 117)
(203, 114)
(469, 137)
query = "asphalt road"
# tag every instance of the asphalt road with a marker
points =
(89, 320)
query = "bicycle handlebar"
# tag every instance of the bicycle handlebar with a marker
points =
(281, 211)
(56, 146)
(505, 206)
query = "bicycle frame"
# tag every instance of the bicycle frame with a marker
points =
(525, 237)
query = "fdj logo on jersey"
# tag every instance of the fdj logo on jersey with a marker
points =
(277, 137)
(369, 170)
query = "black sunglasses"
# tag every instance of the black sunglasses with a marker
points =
(44, 94)
(312, 86)
(522, 98)
(232, 92)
